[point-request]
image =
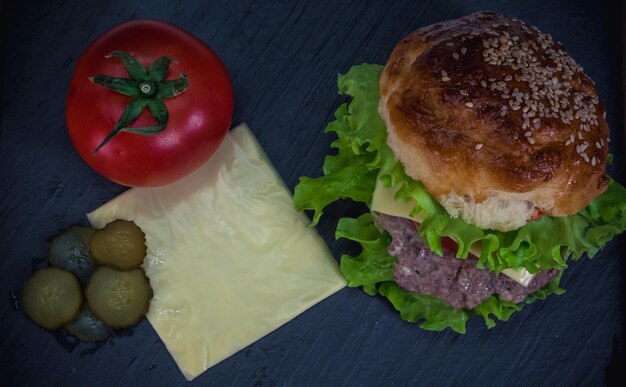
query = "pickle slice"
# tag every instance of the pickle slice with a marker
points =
(118, 298)
(120, 244)
(87, 327)
(70, 251)
(52, 298)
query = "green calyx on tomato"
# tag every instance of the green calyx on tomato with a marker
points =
(147, 89)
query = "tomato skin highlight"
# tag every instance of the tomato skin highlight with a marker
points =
(198, 118)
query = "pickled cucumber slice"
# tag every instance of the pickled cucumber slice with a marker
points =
(70, 251)
(118, 298)
(87, 327)
(52, 298)
(120, 244)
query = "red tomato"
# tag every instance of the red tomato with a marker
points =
(199, 117)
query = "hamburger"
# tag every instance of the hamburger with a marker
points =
(480, 149)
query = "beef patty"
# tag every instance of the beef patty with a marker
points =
(456, 281)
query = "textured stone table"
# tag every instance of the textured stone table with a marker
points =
(283, 57)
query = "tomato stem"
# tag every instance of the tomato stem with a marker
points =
(147, 88)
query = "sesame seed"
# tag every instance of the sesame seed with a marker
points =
(449, 44)
(445, 79)
(463, 93)
(530, 140)
(469, 104)
(478, 146)
(528, 133)
(483, 83)
(444, 73)
(455, 56)
(463, 50)
(598, 145)
(549, 78)
(593, 161)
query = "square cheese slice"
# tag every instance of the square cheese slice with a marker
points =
(228, 257)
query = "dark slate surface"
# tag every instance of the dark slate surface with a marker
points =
(284, 57)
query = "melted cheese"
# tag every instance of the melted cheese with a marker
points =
(229, 259)
(383, 201)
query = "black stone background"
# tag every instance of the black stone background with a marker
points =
(283, 57)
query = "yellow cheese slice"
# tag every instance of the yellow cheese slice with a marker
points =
(383, 201)
(229, 259)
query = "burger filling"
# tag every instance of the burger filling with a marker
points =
(456, 281)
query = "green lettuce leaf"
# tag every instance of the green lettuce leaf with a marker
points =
(430, 312)
(374, 264)
(363, 156)
(347, 177)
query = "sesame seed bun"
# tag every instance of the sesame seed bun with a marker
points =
(496, 119)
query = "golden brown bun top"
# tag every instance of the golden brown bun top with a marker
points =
(486, 105)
